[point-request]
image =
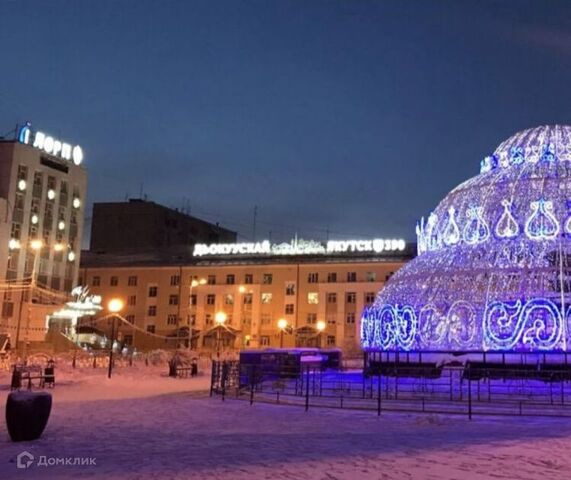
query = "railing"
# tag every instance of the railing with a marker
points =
(470, 390)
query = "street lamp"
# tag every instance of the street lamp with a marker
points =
(115, 305)
(282, 325)
(320, 325)
(194, 283)
(220, 319)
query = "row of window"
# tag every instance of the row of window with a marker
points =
(312, 298)
(267, 279)
(172, 319)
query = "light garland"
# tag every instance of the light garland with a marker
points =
(494, 266)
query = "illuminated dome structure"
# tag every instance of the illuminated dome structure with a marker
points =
(494, 266)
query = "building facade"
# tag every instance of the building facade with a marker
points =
(140, 226)
(252, 291)
(42, 195)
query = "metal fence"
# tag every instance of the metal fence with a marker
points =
(465, 390)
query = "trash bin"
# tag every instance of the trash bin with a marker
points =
(194, 368)
(27, 414)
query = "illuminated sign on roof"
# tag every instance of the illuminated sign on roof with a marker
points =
(50, 145)
(301, 247)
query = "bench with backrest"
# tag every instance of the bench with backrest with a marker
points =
(499, 371)
(405, 369)
(27, 375)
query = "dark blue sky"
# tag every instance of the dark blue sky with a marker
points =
(353, 116)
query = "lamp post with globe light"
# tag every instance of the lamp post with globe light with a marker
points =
(320, 326)
(282, 325)
(115, 305)
(195, 282)
(220, 319)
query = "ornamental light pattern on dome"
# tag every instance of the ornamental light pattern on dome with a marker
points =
(494, 266)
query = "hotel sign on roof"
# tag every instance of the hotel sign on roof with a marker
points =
(301, 247)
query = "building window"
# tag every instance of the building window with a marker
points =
(266, 298)
(153, 291)
(211, 280)
(351, 297)
(332, 277)
(332, 297)
(313, 278)
(311, 318)
(173, 299)
(248, 299)
(264, 340)
(389, 275)
(175, 280)
(230, 279)
(132, 300)
(330, 340)
(350, 318)
(114, 281)
(96, 281)
(208, 319)
(369, 298)
(171, 320)
(331, 319)
(267, 279)
(248, 279)
(313, 298)
(151, 328)
(152, 311)
(210, 299)
(289, 309)
(290, 288)
(130, 318)
(265, 319)
(351, 276)
(193, 299)
(371, 276)
(193, 320)
(132, 281)
(229, 299)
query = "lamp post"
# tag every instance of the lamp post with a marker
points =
(115, 305)
(320, 327)
(220, 319)
(282, 325)
(193, 284)
(242, 291)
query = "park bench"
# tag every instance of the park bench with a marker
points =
(27, 375)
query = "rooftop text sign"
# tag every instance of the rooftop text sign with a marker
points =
(301, 247)
(50, 145)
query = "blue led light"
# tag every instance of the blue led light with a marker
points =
(494, 266)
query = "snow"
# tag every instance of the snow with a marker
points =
(142, 424)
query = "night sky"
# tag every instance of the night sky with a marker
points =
(355, 117)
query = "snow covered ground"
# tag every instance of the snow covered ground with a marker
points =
(143, 425)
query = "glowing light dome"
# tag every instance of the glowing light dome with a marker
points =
(494, 266)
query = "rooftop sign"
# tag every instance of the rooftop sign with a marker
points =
(50, 145)
(300, 247)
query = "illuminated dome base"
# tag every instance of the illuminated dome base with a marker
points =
(494, 266)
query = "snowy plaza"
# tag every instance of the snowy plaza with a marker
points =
(142, 424)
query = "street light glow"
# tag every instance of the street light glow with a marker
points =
(220, 318)
(22, 185)
(241, 288)
(36, 244)
(115, 305)
(320, 325)
(14, 244)
(282, 323)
